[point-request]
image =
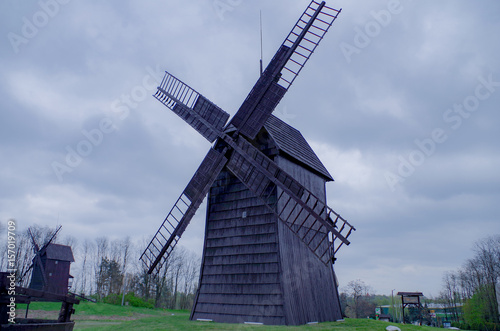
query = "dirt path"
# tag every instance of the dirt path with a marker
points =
(53, 314)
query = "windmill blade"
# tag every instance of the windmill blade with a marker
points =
(172, 228)
(284, 68)
(42, 269)
(204, 116)
(35, 245)
(317, 225)
(305, 37)
(51, 238)
(27, 270)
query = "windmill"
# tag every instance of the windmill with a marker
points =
(270, 239)
(51, 266)
(49, 282)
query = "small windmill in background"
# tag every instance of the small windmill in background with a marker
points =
(270, 240)
(51, 266)
(50, 280)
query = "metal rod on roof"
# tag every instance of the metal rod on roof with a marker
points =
(261, 70)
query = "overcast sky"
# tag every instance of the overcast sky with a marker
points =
(400, 102)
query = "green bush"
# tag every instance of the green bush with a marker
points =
(138, 302)
(114, 299)
(477, 326)
(461, 325)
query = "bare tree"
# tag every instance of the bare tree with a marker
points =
(177, 267)
(87, 249)
(487, 253)
(451, 293)
(160, 282)
(101, 253)
(358, 304)
(144, 282)
(475, 283)
(70, 241)
(3, 248)
(125, 248)
(190, 275)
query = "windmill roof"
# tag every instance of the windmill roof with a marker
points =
(291, 142)
(59, 252)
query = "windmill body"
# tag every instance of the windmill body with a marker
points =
(254, 269)
(51, 269)
(271, 239)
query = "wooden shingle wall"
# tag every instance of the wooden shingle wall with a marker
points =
(310, 293)
(240, 276)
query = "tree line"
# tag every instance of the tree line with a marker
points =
(473, 289)
(469, 295)
(110, 270)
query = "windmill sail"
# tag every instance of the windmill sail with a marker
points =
(305, 37)
(203, 115)
(299, 209)
(284, 68)
(172, 228)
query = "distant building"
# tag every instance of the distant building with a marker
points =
(439, 313)
(51, 269)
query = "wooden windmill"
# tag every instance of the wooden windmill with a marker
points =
(270, 239)
(51, 266)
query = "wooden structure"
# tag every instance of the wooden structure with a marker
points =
(16, 294)
(51, 266)
(411, 299)
(11, 295)
(270, 239)
(49, 282)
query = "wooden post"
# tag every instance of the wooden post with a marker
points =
(66, 311)
(403, 309)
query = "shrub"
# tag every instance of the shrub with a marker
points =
(114, 299)
(138, 302)
(478, 326)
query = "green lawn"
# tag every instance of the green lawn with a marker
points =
(100, 316)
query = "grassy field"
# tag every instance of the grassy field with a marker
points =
(100, 316)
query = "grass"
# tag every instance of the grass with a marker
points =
(101, 316)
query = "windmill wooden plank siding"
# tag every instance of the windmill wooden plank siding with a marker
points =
(240, 271)
(311, 294)
(254, 268)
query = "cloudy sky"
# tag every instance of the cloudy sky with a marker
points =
(400, 102)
